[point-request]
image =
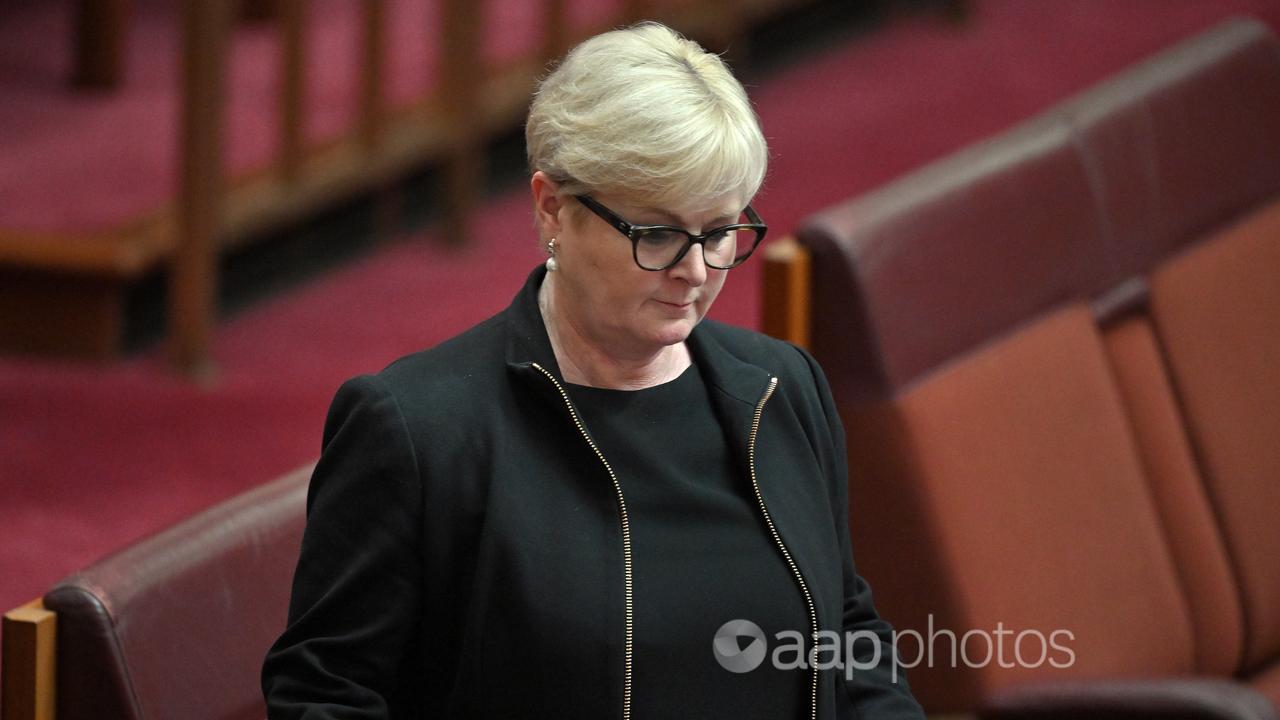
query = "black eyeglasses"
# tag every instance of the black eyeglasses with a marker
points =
(658, 247)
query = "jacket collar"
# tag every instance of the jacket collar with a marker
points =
(527, 340)
(528, 343)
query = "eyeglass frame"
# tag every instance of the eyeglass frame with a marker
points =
(633, 233)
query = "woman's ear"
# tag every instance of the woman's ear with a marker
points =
(547, 204)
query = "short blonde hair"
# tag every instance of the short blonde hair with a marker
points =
(646, 114)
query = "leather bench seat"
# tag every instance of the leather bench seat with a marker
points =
(1057, 353)
(177, 625)
(1020, 465)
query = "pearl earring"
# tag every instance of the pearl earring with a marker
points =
(551, 251)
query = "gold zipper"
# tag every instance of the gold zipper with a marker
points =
(628, 596)
(786, 554)
(626, 545)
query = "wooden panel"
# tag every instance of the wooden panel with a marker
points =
(30, 673)
(49, 313)
(787, 295)
(127, 251)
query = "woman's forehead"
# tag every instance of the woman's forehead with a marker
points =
(696, 212)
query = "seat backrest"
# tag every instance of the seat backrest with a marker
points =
(1173, 477)
(983, 325)
(177, 624)
(1068, 205)
(1003, 494)
(1217, 312)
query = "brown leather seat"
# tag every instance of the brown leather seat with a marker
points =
(176, 626)
(1032, 447)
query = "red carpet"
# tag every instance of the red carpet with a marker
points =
(92, 458)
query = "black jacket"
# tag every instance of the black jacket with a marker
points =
(464, 550)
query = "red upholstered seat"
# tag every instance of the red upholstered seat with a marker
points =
(1217, 311)
(1034, 445)
(1021, 468)
(1190, 528)
(177, 625)
(1069, 205)
(1267, 682)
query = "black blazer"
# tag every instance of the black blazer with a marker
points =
(463, 555)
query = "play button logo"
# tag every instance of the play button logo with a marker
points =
(739, 646)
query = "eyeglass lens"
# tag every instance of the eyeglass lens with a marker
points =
(658, 248)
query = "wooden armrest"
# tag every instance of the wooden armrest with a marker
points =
(786, 298)
(28, 636)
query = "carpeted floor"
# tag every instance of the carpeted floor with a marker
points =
(93, 457)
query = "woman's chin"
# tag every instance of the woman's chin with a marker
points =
(672, 332)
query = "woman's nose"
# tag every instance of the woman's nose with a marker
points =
(692, 268)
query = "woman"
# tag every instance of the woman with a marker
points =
(562, 512)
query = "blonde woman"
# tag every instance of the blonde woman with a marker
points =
(596, 504)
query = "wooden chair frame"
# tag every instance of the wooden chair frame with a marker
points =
(786, 299)
(29, 658)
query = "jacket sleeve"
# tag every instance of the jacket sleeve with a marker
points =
(880, 691)
(357, 587)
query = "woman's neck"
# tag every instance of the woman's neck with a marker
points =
(584, 360)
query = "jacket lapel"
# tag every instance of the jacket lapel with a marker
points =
(780, 454)
(737, 389)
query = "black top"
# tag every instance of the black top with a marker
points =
(462, 554)
(703, 555)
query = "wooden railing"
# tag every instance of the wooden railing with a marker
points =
(449, 127)
(452, 125)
